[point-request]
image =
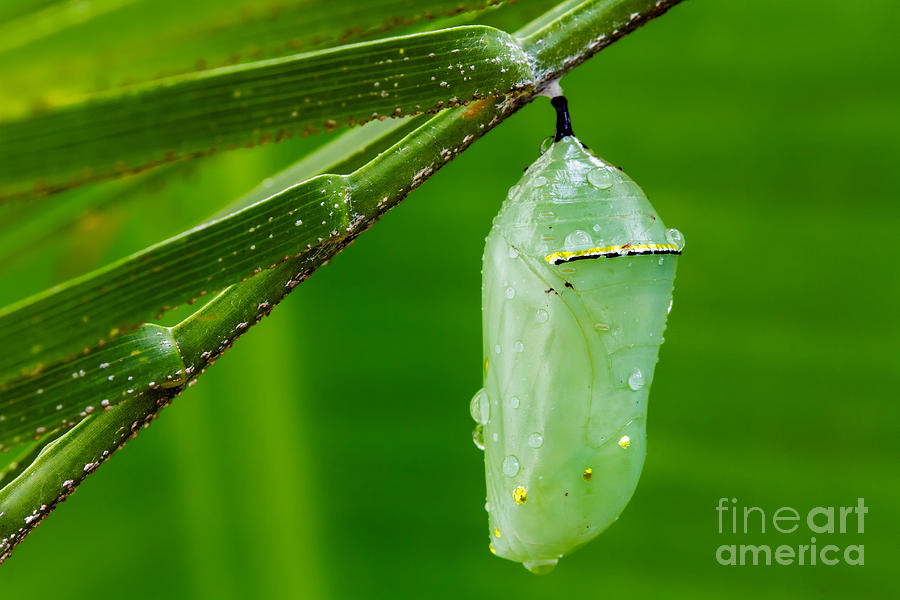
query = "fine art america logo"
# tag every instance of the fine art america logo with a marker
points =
(820, 520)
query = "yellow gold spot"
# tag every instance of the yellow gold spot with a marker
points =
(624, 441)
(485, 366)
(520, 495)
(491, 547)
(588, 473)
(496, 532)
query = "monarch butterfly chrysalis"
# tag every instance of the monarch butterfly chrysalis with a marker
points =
(578, 273)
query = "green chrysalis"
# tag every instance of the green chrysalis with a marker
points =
(578, 273)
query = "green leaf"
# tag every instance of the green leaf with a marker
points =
(148, 39)
(256, 103)
(35, 24)
(30, 226)
(65, 462)
(62, 395)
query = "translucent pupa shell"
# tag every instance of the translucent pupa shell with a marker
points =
(578, 274)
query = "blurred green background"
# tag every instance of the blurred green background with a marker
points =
(329, 453)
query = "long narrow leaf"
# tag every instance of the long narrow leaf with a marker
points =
(255, 103)
(149, 39)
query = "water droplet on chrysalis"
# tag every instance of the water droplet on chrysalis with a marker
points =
(601, 178)
(578, 240)
(675, 238)
(480, 407)
(547, 143)
(478, 436)
(510, 466)
(540, 567)
(535, 440)
(636, 380)
(541, 316)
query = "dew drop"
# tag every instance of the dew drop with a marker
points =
(480, 407)
(539, 181)
(675, 238)
(596, 227)
(578, 240)
(478, 436)
(519, 346)
(514, 402)
(541, 567)
(513, 253)
(669, 310)
(601, 178)
(547, 143)
(541, 316)
(510, 292)
(535, 440)
(510, 466)
(497, 349)
(636, 380)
